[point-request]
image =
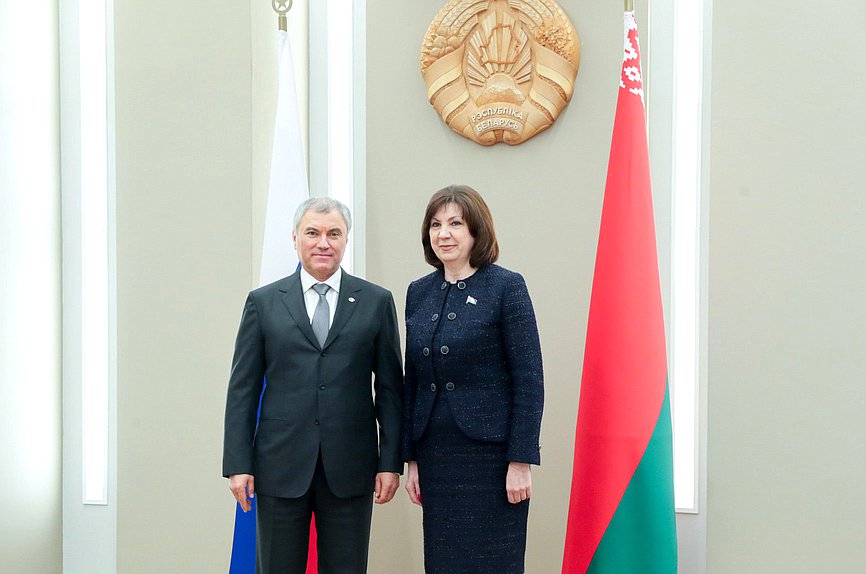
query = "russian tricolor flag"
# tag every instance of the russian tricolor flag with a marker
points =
(288, 188)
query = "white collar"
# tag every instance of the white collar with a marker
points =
(307, 280)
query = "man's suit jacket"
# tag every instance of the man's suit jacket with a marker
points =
(316, 397)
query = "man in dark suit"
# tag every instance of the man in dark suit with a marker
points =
(316, 337)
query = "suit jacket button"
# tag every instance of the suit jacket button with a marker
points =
(322, 354)
(435, 317)
(449, 385)
(461, 285)
(444, 285)
(317, 422)
(433, 387)
(452, 316)
(321, 387)
(444, 350)
(425, 351)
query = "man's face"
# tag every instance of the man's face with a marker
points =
(320, 242)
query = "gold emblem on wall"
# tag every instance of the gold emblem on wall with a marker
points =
(500, 70)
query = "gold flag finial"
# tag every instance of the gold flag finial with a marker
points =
(282, 7)
(629, 5)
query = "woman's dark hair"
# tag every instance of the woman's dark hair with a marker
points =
(477, 217)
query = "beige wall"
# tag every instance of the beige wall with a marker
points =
(787, 277)
(184, 220)
(187, 244)
(546, 199)
(786, 328)
(195, 104)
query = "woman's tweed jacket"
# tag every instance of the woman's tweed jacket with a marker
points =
(484, 356)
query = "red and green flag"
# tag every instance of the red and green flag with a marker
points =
(621, 513)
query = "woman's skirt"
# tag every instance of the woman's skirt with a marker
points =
(469, 525)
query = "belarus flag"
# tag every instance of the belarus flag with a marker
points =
(621, 513)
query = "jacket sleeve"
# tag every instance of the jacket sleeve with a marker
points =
(245, 388)
(388, 372)
(523, 354)
(410, 387)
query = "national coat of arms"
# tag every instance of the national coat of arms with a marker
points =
(500, 70)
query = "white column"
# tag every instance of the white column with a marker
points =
(30, 455)
(89, 383)
(338, 114)
(678, 73)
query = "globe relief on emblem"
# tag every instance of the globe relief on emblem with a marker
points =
(500, 70)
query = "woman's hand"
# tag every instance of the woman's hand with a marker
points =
(518, 482)
(412, 486)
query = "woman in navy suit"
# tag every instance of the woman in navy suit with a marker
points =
(473, 393)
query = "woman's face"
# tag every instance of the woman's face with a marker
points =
(449, 236)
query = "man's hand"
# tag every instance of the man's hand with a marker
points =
(413, 487)
(518, 482)
(387, 484)
(243, 485)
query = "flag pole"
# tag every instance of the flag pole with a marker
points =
(282, 7)
(629, 5)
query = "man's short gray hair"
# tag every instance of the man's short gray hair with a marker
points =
(322, 205)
